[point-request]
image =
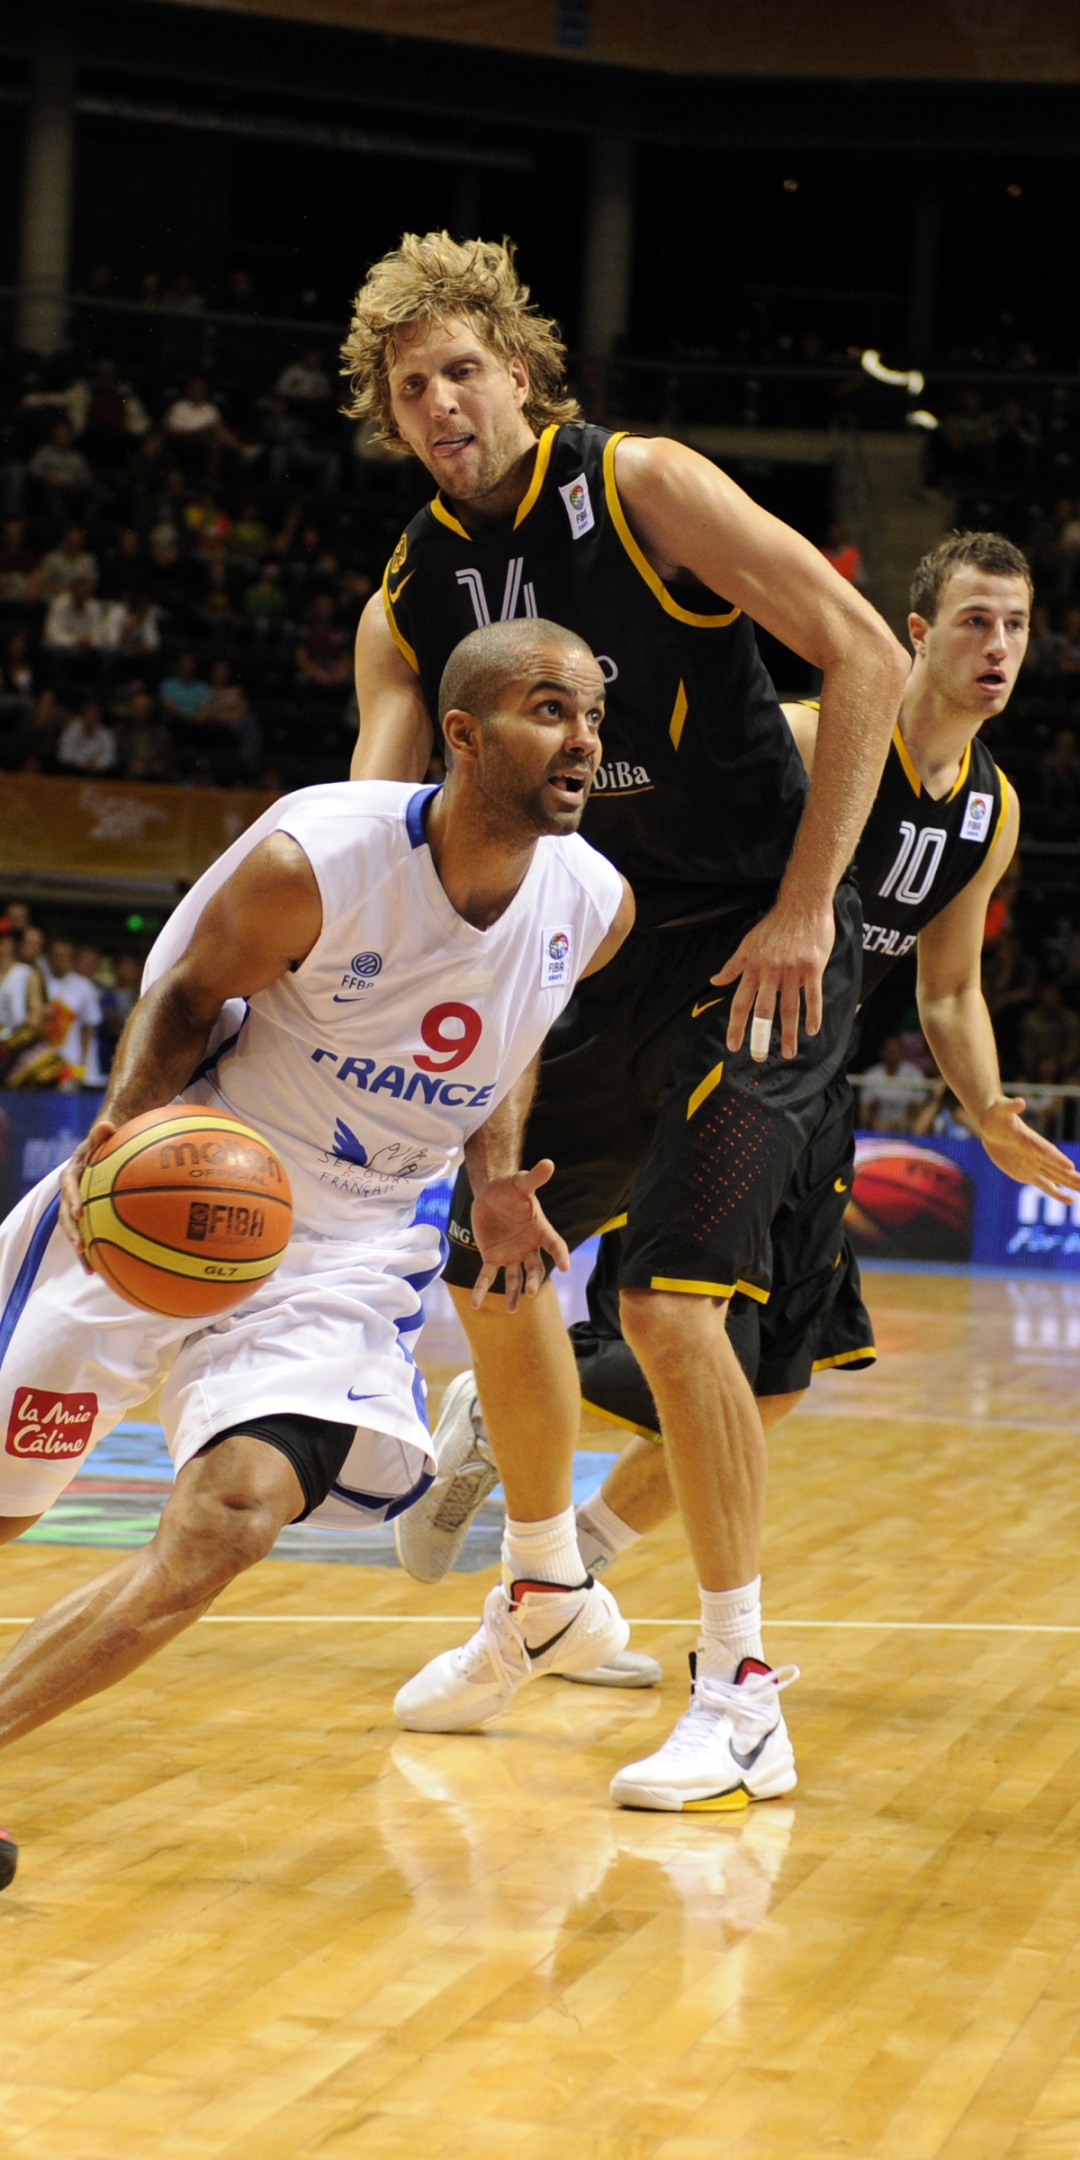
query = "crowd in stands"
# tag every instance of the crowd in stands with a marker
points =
(62, 1006)
(182, 566)
(189, 529)
(1031, 982)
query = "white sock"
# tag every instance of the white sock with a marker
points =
(545, 1552)
(601, 1534)
(730, 1629)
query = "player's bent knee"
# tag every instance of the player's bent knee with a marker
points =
(13, 1526)
(671, 1334)
(202, 1546)
(661, 1325)
(246, 1533)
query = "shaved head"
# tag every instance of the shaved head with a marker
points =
(481, 668)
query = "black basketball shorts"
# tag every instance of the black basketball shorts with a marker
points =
(815, 1317)
(655, 1126)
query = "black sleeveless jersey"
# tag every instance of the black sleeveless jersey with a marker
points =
(700, 787)
(916, 854)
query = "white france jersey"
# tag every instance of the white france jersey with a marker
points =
(369, 1067)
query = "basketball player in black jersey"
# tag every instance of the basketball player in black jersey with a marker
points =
(654, 1106)
(939, 838)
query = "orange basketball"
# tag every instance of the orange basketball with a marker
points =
(185, 1211)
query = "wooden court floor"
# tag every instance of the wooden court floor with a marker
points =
(254, 1920)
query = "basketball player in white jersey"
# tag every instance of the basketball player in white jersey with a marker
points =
(367, 975)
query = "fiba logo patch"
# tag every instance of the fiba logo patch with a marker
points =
(555, 956)
(579, 509)
(976, 817)
(366, 963)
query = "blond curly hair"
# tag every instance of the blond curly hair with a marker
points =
(430, 278)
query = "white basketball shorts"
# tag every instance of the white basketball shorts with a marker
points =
(330, 1334)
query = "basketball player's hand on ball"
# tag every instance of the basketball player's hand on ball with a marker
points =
(782, 958)
(70, 1180)
(512, 1231)
(1023, 1154)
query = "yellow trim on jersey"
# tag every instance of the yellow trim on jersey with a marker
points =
(1004, 809)
(704, 1089)
(640, 561)
(544, 447)
(678, 717)
(644, 1432)
(617, 1223)
(543, 459)
(965, 768)
(709, 1289)
(904, 755)
(400, 640)
(867, 1355)
(439, 510)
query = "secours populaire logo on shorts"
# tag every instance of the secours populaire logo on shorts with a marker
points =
(45, 1423)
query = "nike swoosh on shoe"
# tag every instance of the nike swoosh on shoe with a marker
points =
(746, 1762)
(540, 1648)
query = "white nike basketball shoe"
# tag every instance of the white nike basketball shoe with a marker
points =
(530, 1629)
(429, 1536)
(731, 1747)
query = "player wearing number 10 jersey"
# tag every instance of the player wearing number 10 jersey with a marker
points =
(939, 838)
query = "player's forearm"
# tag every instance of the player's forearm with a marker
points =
(495, 1150)
(860, 699)
(960, 1034)
(165, 1037)
(392, 749)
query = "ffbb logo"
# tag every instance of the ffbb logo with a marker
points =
(45, 1423)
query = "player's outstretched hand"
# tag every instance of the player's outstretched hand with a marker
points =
(512, 1231)
(1023, 1154)
(70, 1178)
(783, 957)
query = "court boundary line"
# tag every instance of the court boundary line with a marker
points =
(875, 1416)
(880, 1627)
